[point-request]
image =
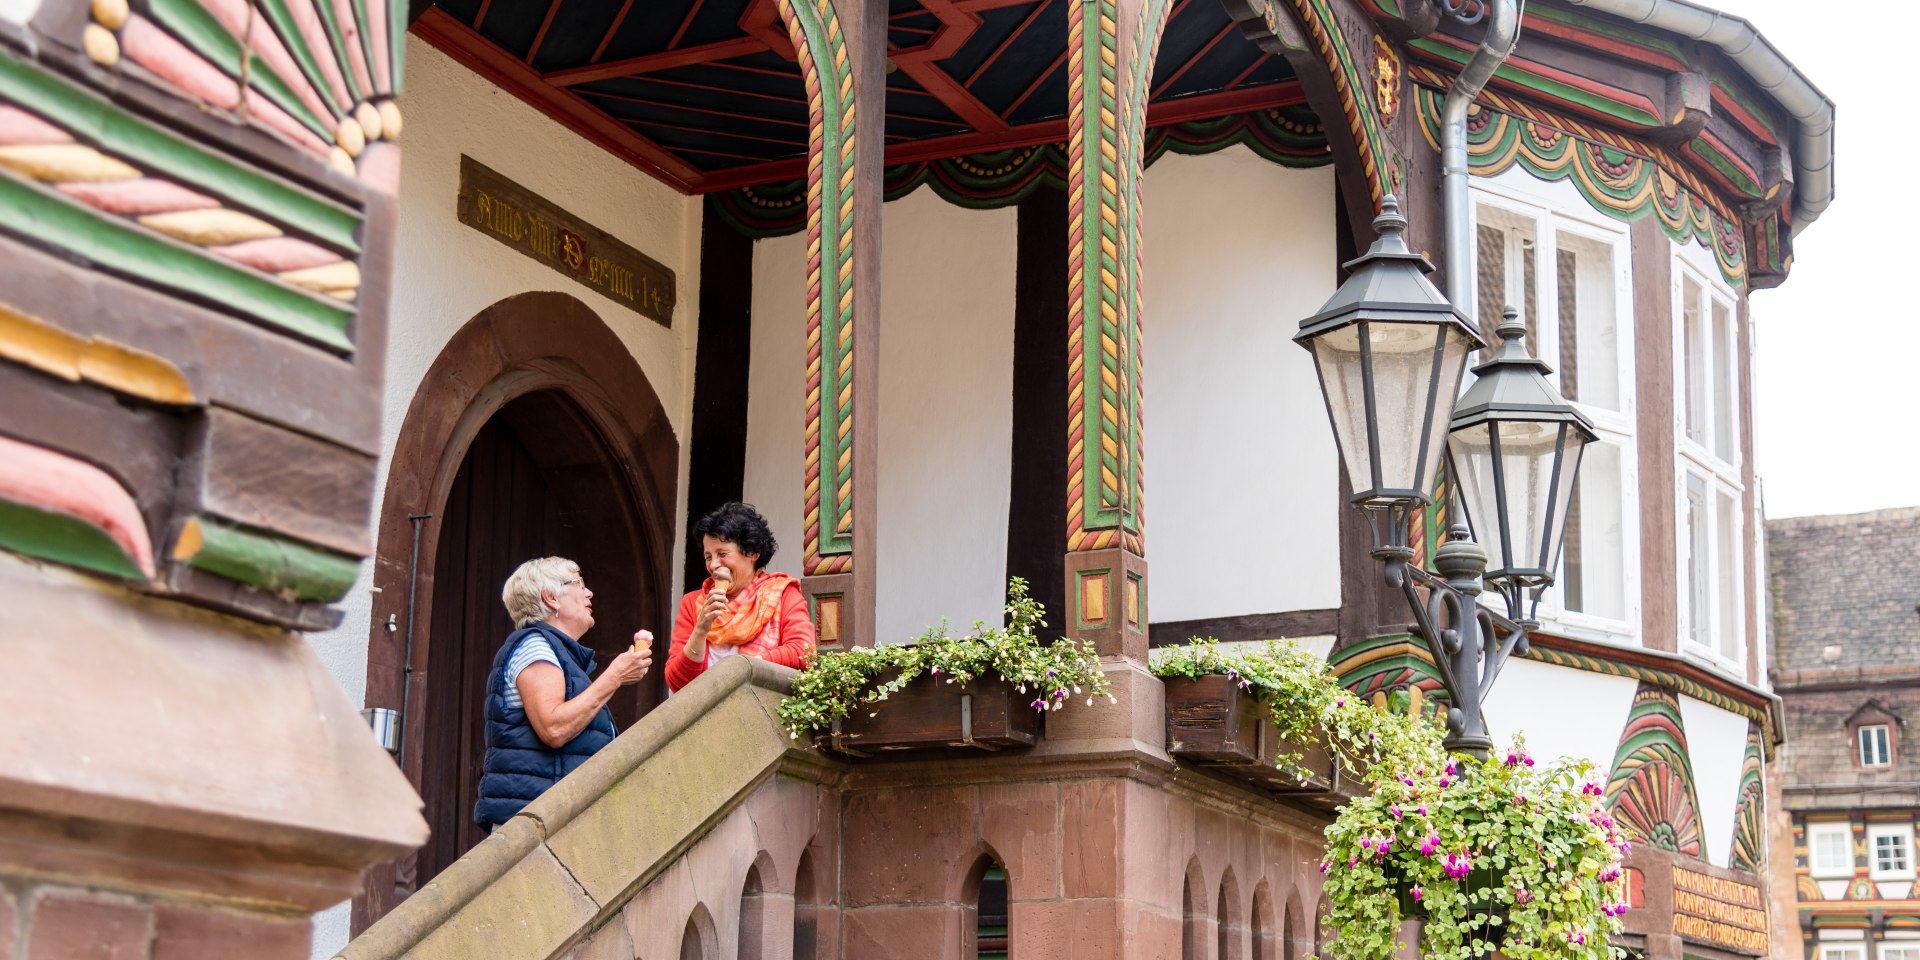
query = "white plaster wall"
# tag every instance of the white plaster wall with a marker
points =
(776, 394)
(446, 272)
(1241, 475)
(946, 413)
(18, 11)
(1717, 744)
(946, 408)
(1563, 712)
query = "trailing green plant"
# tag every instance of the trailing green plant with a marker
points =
(1502, 854)
(1306, 703)
(839, 682)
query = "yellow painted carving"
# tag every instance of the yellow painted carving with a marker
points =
(112, 14)
(102, 46)
(327, 278)
(350, 136)
(1093, 599)
(210, 227)
(36, 343)
(389, 119)
(64, 163)
(190, 541)
(369, 120)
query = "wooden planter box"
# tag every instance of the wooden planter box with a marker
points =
(1212, 723)
(929, 713)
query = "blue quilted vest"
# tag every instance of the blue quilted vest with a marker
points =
(518, 767)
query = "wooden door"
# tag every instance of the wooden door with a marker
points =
(536, 482)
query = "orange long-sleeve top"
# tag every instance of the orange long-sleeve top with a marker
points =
(796, 636)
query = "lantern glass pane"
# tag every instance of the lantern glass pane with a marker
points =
(1337, 355)
(1471, 451)
(1563, 497)
(1403, 388)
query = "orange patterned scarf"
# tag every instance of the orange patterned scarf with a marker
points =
(751, 619)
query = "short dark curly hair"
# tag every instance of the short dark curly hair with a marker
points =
(743, 526)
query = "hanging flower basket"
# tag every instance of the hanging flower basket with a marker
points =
(983, 713)
(985, 690)
(1213, 722)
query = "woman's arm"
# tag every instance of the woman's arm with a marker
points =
(680, 668)
(797, 640)
(557, 720)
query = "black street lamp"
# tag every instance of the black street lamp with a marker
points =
(1391, 352)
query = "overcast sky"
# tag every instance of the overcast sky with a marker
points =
(1838, 359)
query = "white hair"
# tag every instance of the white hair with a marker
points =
(523, 593)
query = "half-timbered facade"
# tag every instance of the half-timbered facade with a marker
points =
(953, 291)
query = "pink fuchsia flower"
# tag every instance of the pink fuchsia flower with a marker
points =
(1444, 782)
(1326, 865)
(1395, 810)
(1452, 771)
(1610, 873)
(1038, 704)
(1457, 865)
(1522, 895)
(1430, 844)
(1613, 909)
(1423, 810)
(1593, 789)
(1518, 757)
(1417, 893)
(1577, 936)
(1625, 847)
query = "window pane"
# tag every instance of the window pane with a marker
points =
(1529, 303)
(1492, 253)
(1728, 572)
(1874, 750)
(1596, 569)
(1695, 612)
(1589, 335)
(1830, 850)
(1693, 345)
(1890, 853)
(1899, 953)
(1567, 288)
(1725, 392)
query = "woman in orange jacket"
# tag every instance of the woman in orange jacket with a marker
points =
(742, 608)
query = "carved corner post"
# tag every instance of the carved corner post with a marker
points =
(842, 48)
(1110, 52)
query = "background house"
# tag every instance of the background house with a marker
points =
(1846, 664)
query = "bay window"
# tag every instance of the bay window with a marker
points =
(1711, 515)
(1566, 272)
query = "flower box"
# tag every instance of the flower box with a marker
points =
(985, 713)
(1213, 723)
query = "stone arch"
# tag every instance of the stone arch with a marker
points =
(811, 938)
(757, 908)
(1193, 913)
(1297, 938)
(700, 940)
(1269, 938)
(986, 906)
(1230, 926)
(547, 355)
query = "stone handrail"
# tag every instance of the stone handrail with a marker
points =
(578, 854)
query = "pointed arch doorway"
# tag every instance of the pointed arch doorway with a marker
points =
(534, 433)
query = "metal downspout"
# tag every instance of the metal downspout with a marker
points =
(1503, 33)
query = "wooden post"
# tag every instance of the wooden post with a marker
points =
(1111, 46)
(842, 47)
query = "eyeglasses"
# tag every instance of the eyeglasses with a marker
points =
(569, 583)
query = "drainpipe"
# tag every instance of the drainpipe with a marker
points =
(1503, 33)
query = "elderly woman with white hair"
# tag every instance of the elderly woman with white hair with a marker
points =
(544, 716)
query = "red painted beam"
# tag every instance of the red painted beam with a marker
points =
(479, 54)
(652, 62)
(612, 28)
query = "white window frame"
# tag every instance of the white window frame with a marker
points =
(1856, 950)
(1899, 831)
(1886, 745)
(1557, 208)
(1896, 950)
(1720, 477)
(1829, 872)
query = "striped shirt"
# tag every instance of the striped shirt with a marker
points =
(532, 650)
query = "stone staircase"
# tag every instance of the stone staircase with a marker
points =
(702, 831)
